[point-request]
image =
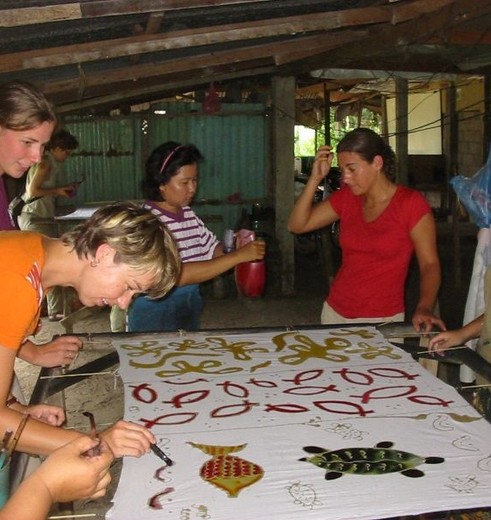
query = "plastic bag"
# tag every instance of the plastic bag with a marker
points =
(475, 194)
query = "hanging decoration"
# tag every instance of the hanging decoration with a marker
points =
(211, 104)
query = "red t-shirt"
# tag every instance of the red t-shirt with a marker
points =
(375, 255)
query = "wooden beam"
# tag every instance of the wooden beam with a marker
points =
(82, 10)
(103, 50)
(231, 58)
(68, 92)
(152, 27)
(149, 93)
(459, 37)
(329, 42)
(402, 126)
(282, 143)
(286, 26)
(419, 30)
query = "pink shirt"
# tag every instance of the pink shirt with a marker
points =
(375, 255)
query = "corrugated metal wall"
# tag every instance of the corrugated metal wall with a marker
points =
(109, 156)
(233, 176)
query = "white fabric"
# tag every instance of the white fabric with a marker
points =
(263, 397)
(474, 306)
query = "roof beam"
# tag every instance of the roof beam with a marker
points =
(231, 58)
(147, 43)
(155, 92)
(81, 10)
(415, 32)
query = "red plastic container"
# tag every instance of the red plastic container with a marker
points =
(250, 278)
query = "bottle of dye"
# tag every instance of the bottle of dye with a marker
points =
(250, 277)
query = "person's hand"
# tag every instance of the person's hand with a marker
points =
(127, 438)
(47, 413)
(252, 251)
(60, 352)
(424, 320)
(69, 475)
(322, 163)
(446, 340)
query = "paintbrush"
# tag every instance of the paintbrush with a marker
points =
(15, 439)
(161, 455)
(96, 450)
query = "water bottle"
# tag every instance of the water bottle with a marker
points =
(228, 241)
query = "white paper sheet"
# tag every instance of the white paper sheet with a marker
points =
(238, 412)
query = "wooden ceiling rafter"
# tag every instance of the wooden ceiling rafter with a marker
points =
(415, 31)
(142, 50)
(160, 90)
(146, 43)
(83, 10)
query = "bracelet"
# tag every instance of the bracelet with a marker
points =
(11, 401)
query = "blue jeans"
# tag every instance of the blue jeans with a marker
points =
(180, 309)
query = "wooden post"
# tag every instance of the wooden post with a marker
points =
(383, 115)
(451, 144)
(327, 115)
(324, 243)
(283, 132)
(402, 130)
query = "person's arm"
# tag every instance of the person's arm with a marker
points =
(452, 338)
(37, 437)
(60, 352)
(35, 186)
(307, 216)
(66, 475)
(47, 413)
(40, 438)
(198, 272)
(423, 236)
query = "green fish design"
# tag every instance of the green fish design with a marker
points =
(367, 461)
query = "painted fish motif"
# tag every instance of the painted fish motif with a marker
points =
(367, 461)
(228, 472)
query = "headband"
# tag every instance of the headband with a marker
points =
(169, 157)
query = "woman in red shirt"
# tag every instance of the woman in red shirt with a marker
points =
(381, 225)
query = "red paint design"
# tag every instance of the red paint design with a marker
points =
(188, 397)
(154, 502)
(392, 372)
(234, 389)
(263, 384)
(352, 376)
(349, 408)
(242, 408)
(306, 375)
(310, 390)
(429, 399)
(286, 408)
(169, 419)
(388, 392)
(144, 393)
